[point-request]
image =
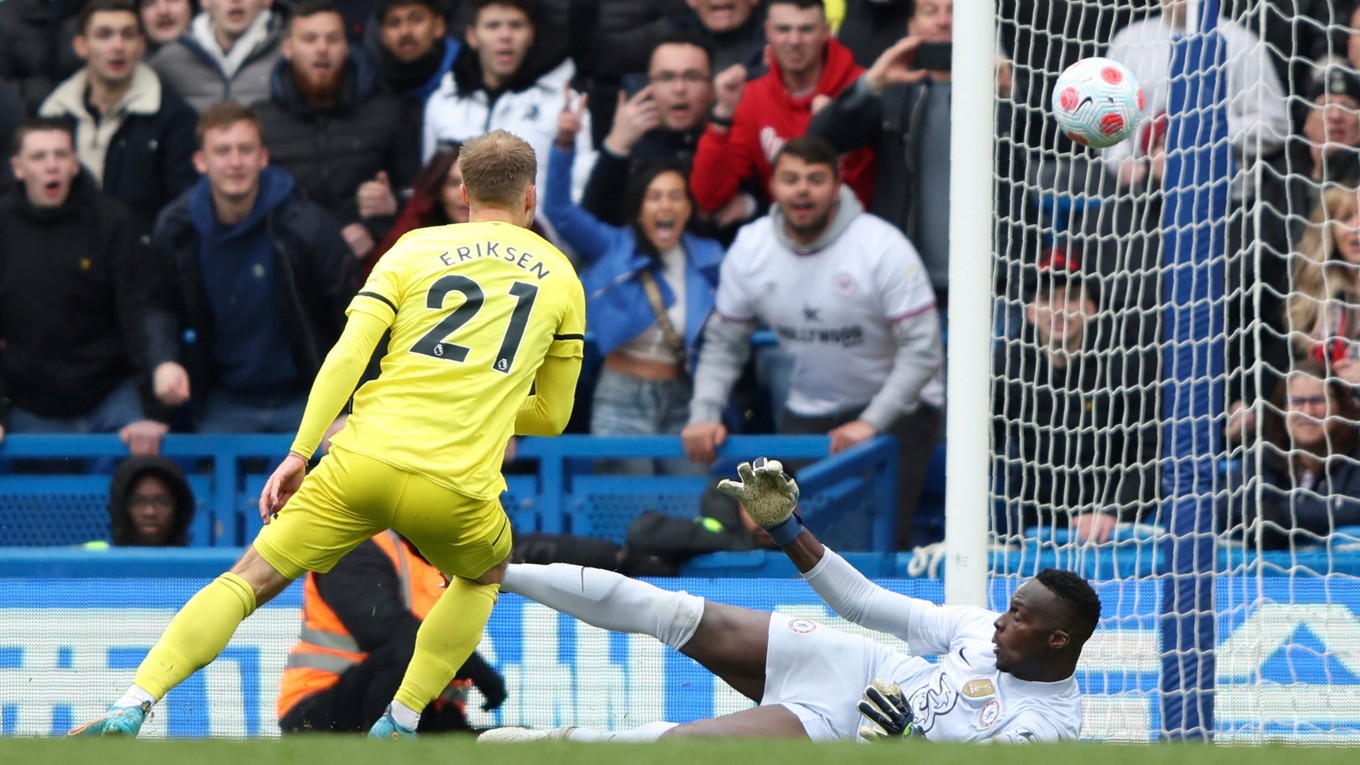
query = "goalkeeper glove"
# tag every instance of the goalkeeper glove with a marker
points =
(886, 714)
(770, 497)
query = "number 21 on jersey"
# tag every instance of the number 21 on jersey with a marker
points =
(437, 342)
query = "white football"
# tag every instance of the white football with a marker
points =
(1097, 102)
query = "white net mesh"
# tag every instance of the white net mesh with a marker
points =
(1209, 264)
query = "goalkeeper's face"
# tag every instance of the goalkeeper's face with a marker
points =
(1029, 631)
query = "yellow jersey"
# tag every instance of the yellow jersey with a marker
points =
(473, 310)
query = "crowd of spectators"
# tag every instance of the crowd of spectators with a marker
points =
(197, 192)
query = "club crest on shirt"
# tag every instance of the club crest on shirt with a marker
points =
(976, 689)
(843, 284)
(991, 712)
(85, 264)
(802, 626)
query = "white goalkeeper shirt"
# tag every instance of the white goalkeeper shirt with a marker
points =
(962, 697)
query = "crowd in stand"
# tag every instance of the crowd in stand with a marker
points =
(197, 193)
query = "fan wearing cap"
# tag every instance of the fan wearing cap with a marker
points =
(1068, 429)
(1328, 152)
(1325, 155)
(1336, 98)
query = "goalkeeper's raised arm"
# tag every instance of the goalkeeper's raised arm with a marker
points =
(770, 497)
(1064, 605)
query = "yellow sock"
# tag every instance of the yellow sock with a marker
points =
(196, 635)
(446, 639)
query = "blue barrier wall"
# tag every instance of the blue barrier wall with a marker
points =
(848, 498)
(73, 629)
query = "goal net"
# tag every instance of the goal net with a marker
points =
(1175, 355)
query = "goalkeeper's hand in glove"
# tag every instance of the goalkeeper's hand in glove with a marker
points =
(886, 714)
(770, 497)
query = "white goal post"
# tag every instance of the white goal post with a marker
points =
(1216, 247)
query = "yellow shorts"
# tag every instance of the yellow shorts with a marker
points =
(350, 497)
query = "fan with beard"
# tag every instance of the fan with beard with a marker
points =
(319, 87)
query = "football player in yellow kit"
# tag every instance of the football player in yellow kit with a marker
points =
(487, 324)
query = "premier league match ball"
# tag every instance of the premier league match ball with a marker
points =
(1097, 102)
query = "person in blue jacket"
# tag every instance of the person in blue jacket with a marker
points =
(649, 287)
(1308, 465)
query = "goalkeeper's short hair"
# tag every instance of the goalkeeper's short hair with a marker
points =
(1083, 604)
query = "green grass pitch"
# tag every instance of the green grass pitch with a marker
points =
(463, 751)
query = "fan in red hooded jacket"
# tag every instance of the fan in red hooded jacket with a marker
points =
(752, 120)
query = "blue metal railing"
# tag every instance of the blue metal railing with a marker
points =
(857, 485)
(214, 464)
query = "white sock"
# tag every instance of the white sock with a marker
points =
(134, 697)
(643, 734)
(608, 600)
(404, 715)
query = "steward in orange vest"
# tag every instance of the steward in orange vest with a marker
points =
(359, 627)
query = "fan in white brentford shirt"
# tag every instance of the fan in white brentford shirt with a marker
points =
(851, 305)
(1000, 677)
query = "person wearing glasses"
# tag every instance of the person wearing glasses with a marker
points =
(1308, 463)
(660, 116)
(150, 504)
(1322, 312)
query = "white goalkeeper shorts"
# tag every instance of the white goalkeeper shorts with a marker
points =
(819, 673)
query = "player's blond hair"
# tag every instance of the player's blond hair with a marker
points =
(498, 168)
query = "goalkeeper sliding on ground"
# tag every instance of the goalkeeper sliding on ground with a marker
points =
(1000, 677)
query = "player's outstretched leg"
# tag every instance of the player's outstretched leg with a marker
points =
(728, 641)
(609, 600)
(195, 637)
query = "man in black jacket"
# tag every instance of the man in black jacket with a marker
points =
(903, 112)
(11, 114)
(872, 26)
(662, 121)
(414, 51)
(134, 136)
(35, 46)
(331, 127)
(70, 306)
(1076, 425)
(733, 29)
(612, 39)
(253, 280)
